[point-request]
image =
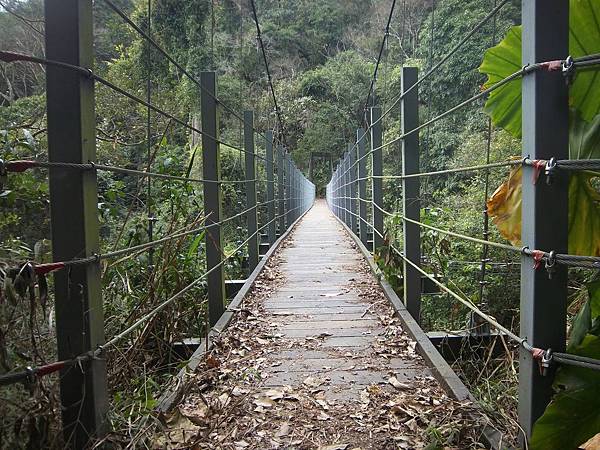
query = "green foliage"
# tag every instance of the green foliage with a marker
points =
(504, 104)
(573, 416)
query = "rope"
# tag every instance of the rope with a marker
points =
(383, 42)
(486, 192)
(539, 256)
(31, 373)
(525, 70)
(264, 55)
(448, 55)
(41, 269)
(22, 165)
(149, 143)
(12, 57)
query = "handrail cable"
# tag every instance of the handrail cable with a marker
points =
(31, 373)
(51, 267)
(13, 57)
(525, 70)
(437, 66)
(22, 165)
(510, 163)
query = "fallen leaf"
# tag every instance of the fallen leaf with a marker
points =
(284, 430)
(323, 416)
(274, 394)
(394, 382)
(265, 402)
(312, 382)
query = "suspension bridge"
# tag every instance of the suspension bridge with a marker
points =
(314, 333)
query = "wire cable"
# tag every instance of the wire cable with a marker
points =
(264, 55)
(18, 166)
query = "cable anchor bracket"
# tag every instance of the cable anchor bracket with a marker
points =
(568, 69)
(550, 264)
(550, 170)
(546, 362)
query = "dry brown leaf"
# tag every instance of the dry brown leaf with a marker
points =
(265, 402)
(312, 382)
(592, 444)
(284, 430)
(394, 382)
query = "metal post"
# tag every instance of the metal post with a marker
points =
(252, 214)
(288, 189)
(545, 207)
(377, 172)
(270, 188)
(411, 205)
(211, 167)
(74, 215)
(280, 191)
(362, 186)
(353, 188)
(346, 184)
(297, 193)
(294, 190)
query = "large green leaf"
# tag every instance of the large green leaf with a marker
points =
(587, 316)
(584, 215)
(573, 416)
(584, 39)
(504, 104)
(504, 206)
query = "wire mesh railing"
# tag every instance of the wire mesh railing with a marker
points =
(271, 198)
(365, 215)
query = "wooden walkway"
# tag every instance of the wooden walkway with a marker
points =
(315, 359)
(329, 296)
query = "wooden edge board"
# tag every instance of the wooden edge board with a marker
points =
(176, 389)
(442, 371)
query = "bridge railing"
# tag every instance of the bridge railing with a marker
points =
(545, 139)
(76, 245)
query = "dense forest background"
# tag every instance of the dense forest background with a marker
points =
(322, 55)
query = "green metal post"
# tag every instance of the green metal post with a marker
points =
(280, 190)
(411, 204)
(252, 214)
(353, 187)
(74, 216)
(211, 167)
(287, 164)
(271, 228)
(545, 206)
(377, 171)
(362, 186)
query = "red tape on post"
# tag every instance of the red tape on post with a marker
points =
(552, 66)
(538, 257)
(43, 269)
(538, 165)
(50, 368)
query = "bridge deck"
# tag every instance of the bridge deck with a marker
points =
(315, 357)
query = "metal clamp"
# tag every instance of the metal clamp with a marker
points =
(550, 170)
(29, 382)
(568, 69)
(546, 362)
(550, 264)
